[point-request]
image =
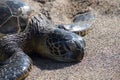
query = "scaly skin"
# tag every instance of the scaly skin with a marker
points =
(39, 37)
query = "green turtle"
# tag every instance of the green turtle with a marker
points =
(40, 37)
(32, 33)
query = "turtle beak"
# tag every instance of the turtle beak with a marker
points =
(76, 50)
(80, 57)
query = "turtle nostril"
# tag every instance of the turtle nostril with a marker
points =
(81, 55)
(78, 51)
(79, 58)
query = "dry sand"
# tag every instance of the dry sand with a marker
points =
(102, 59)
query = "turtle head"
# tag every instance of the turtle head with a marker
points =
(65, 46)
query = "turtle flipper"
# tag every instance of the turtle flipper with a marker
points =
(81, 24)
(17, 66)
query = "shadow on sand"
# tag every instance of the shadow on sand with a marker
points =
(48, 64)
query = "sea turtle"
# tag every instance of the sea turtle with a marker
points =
(40, 36)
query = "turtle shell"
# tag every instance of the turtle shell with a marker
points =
(13, 16)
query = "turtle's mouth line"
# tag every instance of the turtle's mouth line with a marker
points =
(61, 59)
